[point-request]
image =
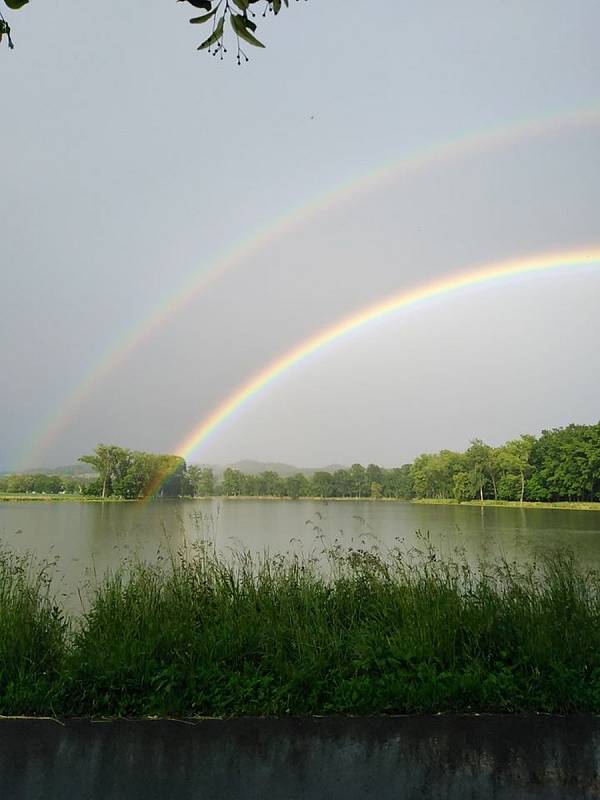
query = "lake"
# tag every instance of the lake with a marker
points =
(89, 538)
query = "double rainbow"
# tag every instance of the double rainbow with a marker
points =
(486, 274)
(200, 281)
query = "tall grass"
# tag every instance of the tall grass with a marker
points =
(398, 633)
(33, 633)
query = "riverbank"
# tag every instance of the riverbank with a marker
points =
(564, 506)
(408, 633)
(31, 497)
(78, 498)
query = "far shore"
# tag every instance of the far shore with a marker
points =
(35, 497)
(7, 497)
(564, 506)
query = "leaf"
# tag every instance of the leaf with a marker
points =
(276, 6)
(243, 4)
(204, 17)
(239, 25)
(16, 4)
(205, 4)
(215, 35)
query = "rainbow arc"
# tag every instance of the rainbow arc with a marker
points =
(424, 159)
(483, 275)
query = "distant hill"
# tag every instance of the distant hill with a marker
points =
(68, 471)
(247, 466)
(250, 467)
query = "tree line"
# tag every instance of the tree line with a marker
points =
(120, 472)
(41, 484)
(562, 464)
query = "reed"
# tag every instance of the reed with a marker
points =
(33, 636)
(355, 632)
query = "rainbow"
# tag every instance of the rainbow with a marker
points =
(125, 344)
(483, 275)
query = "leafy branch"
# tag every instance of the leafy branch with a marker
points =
(240, 14)
(241, 20)
(4, 26)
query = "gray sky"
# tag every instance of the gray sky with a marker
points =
(130, 161)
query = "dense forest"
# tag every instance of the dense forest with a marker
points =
(562, 464)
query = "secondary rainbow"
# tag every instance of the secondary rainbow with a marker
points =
(484, 274)
(425, 158)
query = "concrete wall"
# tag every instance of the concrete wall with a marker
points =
(439, 757)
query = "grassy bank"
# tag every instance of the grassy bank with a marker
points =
(30, 497)
(405, 634)
(78, 498)
(565, 506)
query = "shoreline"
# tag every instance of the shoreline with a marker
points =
(7, 497)
(558, 506)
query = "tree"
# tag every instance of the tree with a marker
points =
(397, 482)
(479, 458)
(240, 15)
(509, 487)
(133, 473)
(358, 479)
(297, 486)
(514, 457)
(232, 482)
(322, 484)
(374, 474)
(463, 486)
(494, 468)
(201, 481)
(565, 463)
(206, 486)
(105, 460)
(270, 484)
(169, 476)
(433, 473)
(342, 483)
(376, 491)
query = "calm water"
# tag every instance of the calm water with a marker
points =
(88, 538)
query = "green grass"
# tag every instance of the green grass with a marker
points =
(21, 497)
(33, 637)
(402, 633)
(564, 505)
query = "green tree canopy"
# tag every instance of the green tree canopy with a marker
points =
(107, 461)
(132, 473)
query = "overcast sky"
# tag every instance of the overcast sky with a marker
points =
(130, 161)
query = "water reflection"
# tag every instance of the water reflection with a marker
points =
(89, 538)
